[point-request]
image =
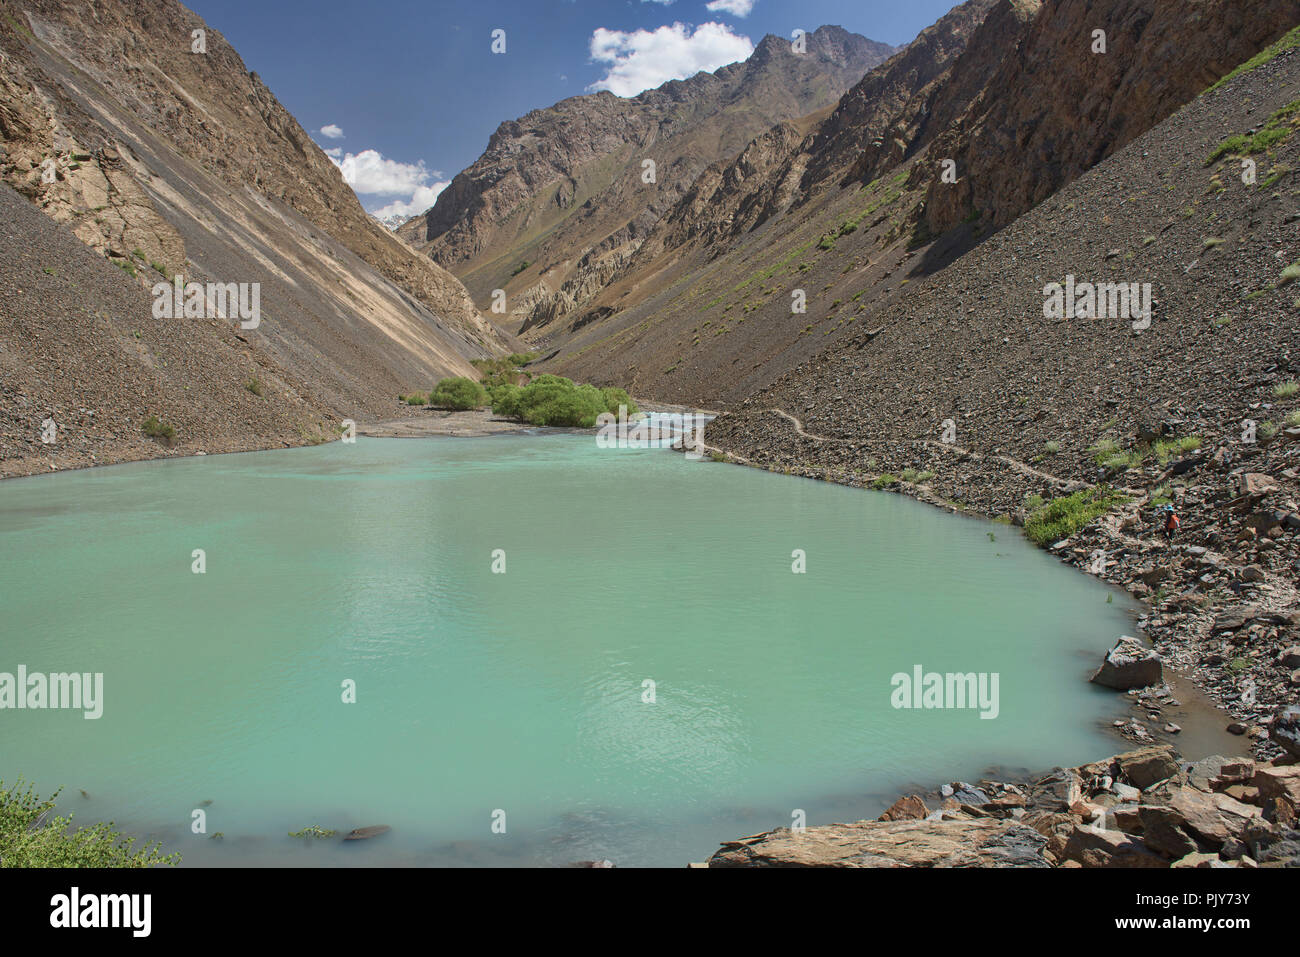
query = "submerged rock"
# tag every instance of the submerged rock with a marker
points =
(364, 833)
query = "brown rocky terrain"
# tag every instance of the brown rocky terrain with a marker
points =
(80, 349)
(1145, 808)
(167, 162)
(839, 212)
(561, 189)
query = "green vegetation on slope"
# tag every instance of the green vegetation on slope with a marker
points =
(1279, 128)
(31, 835)
(1062, 517)
(1287, 42)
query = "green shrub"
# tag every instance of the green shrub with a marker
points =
(458, 394)
(254, 386)
(415, 399)
(555, 400)
(31, 835)
(158, 430)
(505, 401)
(614, 397)
(1062, 517)
(1284, 390)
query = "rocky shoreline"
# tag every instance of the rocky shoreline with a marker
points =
(1144, 808)
(1221, 601)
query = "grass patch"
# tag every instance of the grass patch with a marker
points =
(158, 430)
(1284, 390)
(254, 386)
(1165, 449)
(1290, 274)
(1288, 42)
(1278, 128)
(1062, 517)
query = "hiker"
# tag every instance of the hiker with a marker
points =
(1171, 522)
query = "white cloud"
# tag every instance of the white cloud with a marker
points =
(369, 173)
(334, 152)
(644, 59)
(737, 8)
(424, 197)
(332, 132)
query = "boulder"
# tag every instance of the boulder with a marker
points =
(1201, 774)
(1256, 483)
(1278, 782)
(1163, 832)
(1097, 848)
(1129, 665)
(1198, 860)
(1148, 766)
(1285, 730)
(910, 808)
(957, 843)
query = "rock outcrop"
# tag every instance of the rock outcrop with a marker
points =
(558, 182)
(1145, 808)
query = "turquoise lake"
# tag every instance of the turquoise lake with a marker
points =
(520, 692)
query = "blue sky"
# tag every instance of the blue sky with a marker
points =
(411, 89)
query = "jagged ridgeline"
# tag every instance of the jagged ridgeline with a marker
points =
(154, 153)
(562, 196)
(810, 235)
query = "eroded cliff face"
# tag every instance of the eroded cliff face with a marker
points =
(70, 67)
(167, 161)
(1054, 108)
(561, 183)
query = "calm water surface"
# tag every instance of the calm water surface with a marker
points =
(522, 691)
